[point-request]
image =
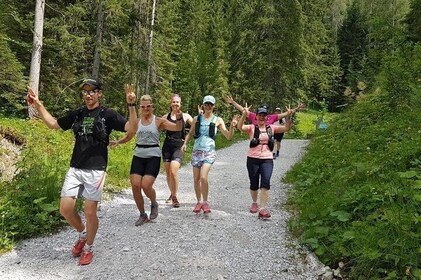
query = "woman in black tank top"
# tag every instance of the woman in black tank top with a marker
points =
(172, 155)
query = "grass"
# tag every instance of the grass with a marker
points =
(356, 195)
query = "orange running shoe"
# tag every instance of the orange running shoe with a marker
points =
(86, 257)
(197, 208)
(206, 208)
(78, 247)
(264, 214)
(175, 202)
(254, 208)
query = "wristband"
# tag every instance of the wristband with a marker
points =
(131, 104)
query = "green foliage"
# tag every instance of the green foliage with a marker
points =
(11, 80)
(357, 190)
(413, 19)
(29, 204)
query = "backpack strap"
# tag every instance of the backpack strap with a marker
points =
(197, 127)
(256, 132)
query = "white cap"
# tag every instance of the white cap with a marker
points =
(209, 98)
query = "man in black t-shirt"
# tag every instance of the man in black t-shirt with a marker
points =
(91, 125)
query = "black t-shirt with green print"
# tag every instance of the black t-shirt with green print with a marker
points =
(92, 129)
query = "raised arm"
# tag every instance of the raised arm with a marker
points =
(288, 124)
(130, 126)
(45, 116)
(230, 100)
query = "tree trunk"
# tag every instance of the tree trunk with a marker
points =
(98, 43)
(150, 49)
(36, 52)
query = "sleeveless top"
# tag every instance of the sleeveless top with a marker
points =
(147, 135)
(204, 142)
(176, 135)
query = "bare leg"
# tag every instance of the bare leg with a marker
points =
(264, 197)
(68, 211)
(254, 195)
(136, 181)
(204, 172)
(174, 167)
(197, 187)
(147, 187)
(91, 220)
(167, 166)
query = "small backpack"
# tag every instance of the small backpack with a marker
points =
(256, 141)
(211, 133)
(99, 129)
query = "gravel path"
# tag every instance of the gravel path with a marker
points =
(229, 243)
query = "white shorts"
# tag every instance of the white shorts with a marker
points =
(84, 183)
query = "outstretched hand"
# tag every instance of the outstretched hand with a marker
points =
(130, 95)
(299, 107)
(200, 110)
(229, 99)
(247, 109)
(32, 96)
(113, 144)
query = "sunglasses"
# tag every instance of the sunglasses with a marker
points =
(89, 92)
(208, 104)
(146, 106)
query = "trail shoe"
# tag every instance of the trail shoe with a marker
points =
(175, 202)
(143, 218)
(254, 208)
(154, 211)
(78, 247)
(197, 208)
(86, 257)
(264, 214)
(169, 199)
(206, 208)
(277, 154)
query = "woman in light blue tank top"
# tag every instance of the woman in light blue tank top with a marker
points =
(147, 155)
(204, 129)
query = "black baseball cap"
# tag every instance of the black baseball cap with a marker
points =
(262, 110)
(92, 82)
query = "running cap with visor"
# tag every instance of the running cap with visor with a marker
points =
(91, 82)
(262, 110)
(209, 98)
(278, 109)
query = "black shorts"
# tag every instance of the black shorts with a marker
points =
(145, 166)
(171, 150)
(278, 136)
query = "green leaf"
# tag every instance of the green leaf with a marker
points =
(312, 242)
(408, 174)
(348, 235)
(39, 200)
(341, 215)
(48, 207)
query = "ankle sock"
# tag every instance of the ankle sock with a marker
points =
(89, 248)
(82, 234)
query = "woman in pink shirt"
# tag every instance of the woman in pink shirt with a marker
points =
(259, 156)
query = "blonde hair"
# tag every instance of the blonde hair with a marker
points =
(146, 97)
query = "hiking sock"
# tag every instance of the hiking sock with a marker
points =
(82, 234)
(89, 248)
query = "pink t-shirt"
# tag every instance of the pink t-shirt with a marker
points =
(270, 120)
(262, 150)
